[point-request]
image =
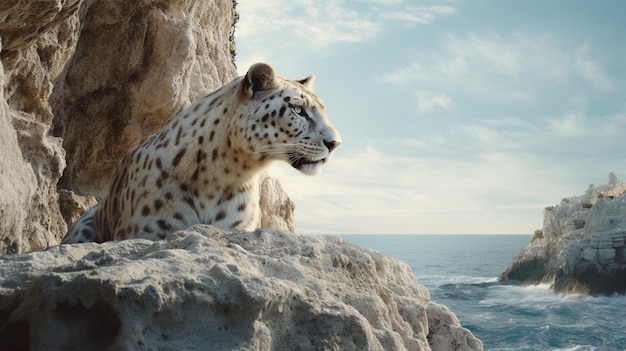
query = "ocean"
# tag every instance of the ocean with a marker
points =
(461, 272)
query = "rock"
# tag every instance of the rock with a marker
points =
(136, 65)
(83, 81)
(581, 247)
(73, 205)
(35, 46)
(277, 209)
(209, 289)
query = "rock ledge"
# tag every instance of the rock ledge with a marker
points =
(266, 290)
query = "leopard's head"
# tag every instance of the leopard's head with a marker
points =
(286, 120)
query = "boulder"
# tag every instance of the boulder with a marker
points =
(581, 247)
(204, 288)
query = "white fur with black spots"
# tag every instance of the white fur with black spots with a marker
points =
(203, 167)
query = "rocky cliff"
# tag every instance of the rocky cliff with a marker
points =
(35, 42)
(82, 81)
(208, 289)
(581, 247)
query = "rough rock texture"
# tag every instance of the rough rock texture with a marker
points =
(36, 41)
(72, 205)
(277, 209)
(581, 247)
(87, 80)
(136, 64)
(208, 289)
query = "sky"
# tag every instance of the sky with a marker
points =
(457, 117)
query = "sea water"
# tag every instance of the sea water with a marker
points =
(461, 271)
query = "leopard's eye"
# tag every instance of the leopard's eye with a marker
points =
(300, 111)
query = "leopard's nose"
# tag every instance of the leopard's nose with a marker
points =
(332, 145)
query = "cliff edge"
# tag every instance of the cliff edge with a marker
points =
(205, 288)
(581, 247)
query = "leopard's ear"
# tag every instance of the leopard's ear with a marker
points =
(260, 77)
(308, 81)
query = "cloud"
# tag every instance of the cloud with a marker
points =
(303, 23)
(411, 16)
(592, 72)
(312, 25)
(569, 125)
(490, 175)
(604, 132)
(427, 102)
(376, 191)
(387, 2)
(414, 72)
(499, 54)
(516, 68)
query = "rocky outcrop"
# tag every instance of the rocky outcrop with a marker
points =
(581, 247)
(83, 81)
(277, 209)
(36, 41)
(136, 65)
(208, 289)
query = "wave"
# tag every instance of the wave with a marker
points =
(461, 271)
(519, 318)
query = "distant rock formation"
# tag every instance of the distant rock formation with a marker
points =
(581, 247)
(206, 289)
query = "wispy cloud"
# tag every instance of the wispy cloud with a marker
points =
(495, 171)
(518, 69)
(319, 24)
(411, 16)
(427, 101)
(593, 72)
(376, 191)
(514, 58)
(306, 23)
(414, 72)
(571, 125)
(590, 133)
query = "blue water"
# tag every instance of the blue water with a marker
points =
(461, 270)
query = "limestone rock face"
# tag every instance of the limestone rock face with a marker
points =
(73, 205)
(581, 247)
(277, 209)
(36, 37)
(209, 289)
(136, 64)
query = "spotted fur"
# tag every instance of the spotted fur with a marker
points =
(203, 167)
